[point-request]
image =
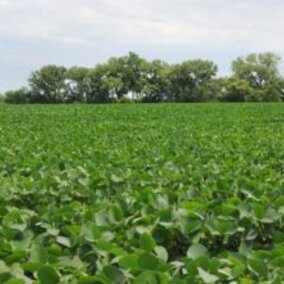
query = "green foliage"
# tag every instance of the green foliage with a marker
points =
(47, 85)
(147, 242)
(191, 80)
(157, 84)
(48, 275)
(261, 72)
(130, 78)
(237, 90)
(76, 84)
(2, 98)
(20, 96)
(169, 193)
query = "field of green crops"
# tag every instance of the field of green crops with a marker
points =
(144, 194)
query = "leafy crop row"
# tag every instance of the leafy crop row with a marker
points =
(142, 194)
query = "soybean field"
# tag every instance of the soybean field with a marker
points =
(143, 194)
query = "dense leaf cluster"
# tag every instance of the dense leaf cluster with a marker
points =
(132, 78)
(170, 193)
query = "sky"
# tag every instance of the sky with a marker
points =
(34, 33)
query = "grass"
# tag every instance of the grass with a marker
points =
(170, 193)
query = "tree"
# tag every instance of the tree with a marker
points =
(2, 98)
(273, 91)
(191, 80)
(99, 87)
(217, 89)
(281, 85)
(126, 75)
(262, 74)
(76, 84)
(20, 96)
(47, 84)
(156, 82)
(132, 78)
(236, 90)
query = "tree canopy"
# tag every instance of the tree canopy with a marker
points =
(255, 77)
(262, 74)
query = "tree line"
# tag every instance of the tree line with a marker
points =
(255, 78)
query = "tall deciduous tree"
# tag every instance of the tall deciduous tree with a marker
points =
(20, 96)
(126, 75)
(76, 84)
(156, 82)
(261, 71)
(255, 78)
(47, 84)
(191, 80)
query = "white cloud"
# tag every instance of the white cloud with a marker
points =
(213, 22)
(165, 27)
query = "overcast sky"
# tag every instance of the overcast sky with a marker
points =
(86, 32)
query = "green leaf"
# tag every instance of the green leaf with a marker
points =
(19, 227)
(162, 253)
(116, 179)
(48, 275)
(129, 262)
(257, 267)
(16, 281)
(207, 277)
(38, 253)
(15, 257)
(5, 276)
(278, 262)
(63, 241)
(196, 251)
(116, 213)
(94, 280)
(148, 261)
(114, 274)
(147, 242)
(31, 266)
(258, 210)
(150, 277)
